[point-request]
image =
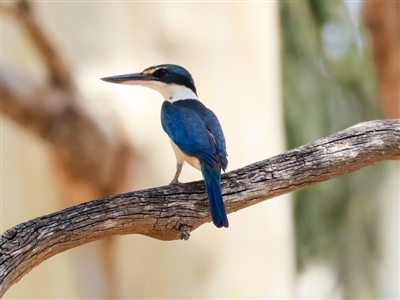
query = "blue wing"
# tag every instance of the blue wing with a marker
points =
(195, 130)
(212, 124)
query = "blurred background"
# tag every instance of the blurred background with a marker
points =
(277, 75)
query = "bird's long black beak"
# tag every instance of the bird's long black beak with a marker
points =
(133, 78)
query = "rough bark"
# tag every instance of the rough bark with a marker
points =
(172, 212)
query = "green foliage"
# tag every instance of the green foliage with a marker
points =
(320, 11)
(329, 85)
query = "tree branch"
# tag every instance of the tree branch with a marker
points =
(171, 212)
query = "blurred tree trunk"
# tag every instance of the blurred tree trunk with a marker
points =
(91, 154)
(383, 21)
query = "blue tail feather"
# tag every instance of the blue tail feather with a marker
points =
(212, 179)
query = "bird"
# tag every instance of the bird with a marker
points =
(194, 130)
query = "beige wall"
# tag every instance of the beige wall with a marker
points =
(232, 50)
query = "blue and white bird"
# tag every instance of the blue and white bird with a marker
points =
(195, 133)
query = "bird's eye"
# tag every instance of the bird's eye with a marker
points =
(160, 73)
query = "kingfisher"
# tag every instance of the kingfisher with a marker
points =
(194, 131)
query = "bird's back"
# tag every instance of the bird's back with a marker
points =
(196, 131)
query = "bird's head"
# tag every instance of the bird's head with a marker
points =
(173, 82)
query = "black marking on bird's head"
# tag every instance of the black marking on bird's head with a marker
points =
(171, 74)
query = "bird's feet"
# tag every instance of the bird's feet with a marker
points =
(176, 183)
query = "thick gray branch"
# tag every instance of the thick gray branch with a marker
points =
(170, 212)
